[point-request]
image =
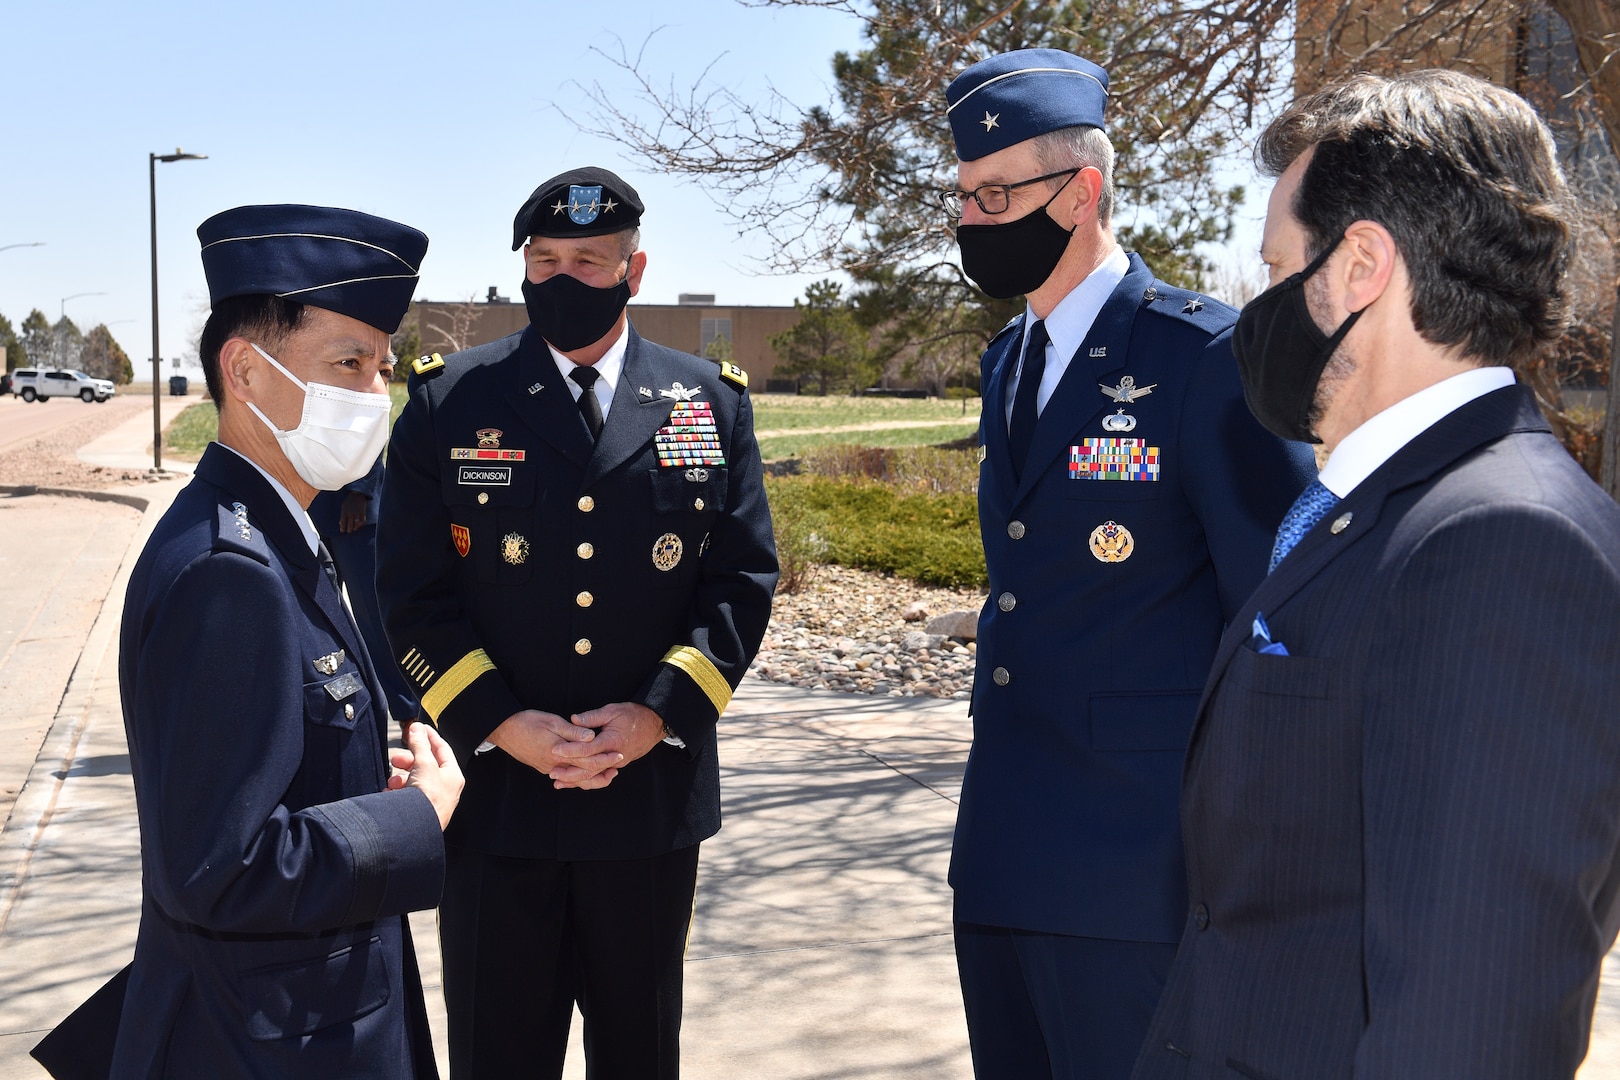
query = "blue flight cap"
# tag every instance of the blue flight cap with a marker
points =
(1018, 95)
(355, 264)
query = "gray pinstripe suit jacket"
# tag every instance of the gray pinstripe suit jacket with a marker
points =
(1402, 837)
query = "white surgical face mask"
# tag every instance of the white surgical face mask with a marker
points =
(339, 434)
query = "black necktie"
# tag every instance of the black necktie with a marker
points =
(328, 565)
(1022, 429)
(589, 407)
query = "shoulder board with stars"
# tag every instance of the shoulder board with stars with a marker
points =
(1203, 311)
(734, 373)
(431, 364)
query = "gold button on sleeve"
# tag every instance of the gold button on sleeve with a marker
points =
(585, 551)
(582, 646)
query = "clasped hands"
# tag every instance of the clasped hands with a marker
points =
(586, 752)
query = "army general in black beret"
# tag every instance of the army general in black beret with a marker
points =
(576, 570)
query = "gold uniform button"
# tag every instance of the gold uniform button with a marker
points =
(1002, 676)
(483, 497)
(584, 599)
(1006, 601)
(697, 504)
(586, 503)
(1015, 529)
(585, 551)
(582, 646)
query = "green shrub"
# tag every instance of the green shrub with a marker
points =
(929, 538)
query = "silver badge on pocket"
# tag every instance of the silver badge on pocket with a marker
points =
(346, 685)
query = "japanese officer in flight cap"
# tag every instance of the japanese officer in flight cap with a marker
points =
(280, 852)
(1128, 501)
(575, 568)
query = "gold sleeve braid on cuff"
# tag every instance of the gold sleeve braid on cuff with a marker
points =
(453, 682)
(703, 672)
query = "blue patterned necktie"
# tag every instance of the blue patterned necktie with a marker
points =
(1022, 429)
(1312, 506)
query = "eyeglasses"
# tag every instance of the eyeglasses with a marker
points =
(992, 198)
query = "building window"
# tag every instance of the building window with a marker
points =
(713, 329)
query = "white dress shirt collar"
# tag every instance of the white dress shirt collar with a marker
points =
(608, 370)
(1068, 325)
(1378, 439)
(299, 514)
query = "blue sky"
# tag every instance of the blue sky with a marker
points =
(441, 116)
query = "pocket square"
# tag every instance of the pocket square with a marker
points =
(1260, 639)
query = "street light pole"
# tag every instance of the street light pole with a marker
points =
(157, 402)
(63, 312)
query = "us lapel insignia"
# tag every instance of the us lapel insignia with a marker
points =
(328, 664)
(535, 389)
(644, 391)
(461, 538)
(1112, 542)
(982, 451)
(1340, 523)
(1120, 421)
(1127, 391)
(1098, 352)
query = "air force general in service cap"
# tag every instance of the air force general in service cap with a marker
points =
(580, 202)
(1018, 95)
(355, 264)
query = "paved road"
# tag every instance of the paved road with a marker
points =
(23, 420)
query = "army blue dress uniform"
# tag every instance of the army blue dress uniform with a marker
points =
(525, 566)
(1117, 550)
(276, 867)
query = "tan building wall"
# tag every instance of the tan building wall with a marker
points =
(449, 326)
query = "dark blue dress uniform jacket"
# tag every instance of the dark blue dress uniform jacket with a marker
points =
(276, 870)
(533, 580)
(1404, 835)
(1089, 671)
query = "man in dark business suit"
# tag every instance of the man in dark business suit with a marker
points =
(278, 859)
(1127, 501)
(1402, 798)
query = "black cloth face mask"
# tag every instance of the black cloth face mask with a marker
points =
(1281, 353)
(1015, 259)
(571, 314)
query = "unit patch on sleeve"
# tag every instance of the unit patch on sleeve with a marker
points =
(1113, 459)
(690, 437)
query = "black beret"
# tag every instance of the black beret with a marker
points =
(580, 202)
(355, 264)
(1018, 95)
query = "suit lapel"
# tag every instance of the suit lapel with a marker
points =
(545, 403)
(1483, 420)
(993, 409)
(634, 419)
(1104, 352)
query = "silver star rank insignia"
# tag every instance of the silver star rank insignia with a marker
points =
(990, 121)
(559, 208)
(1193, 305)
(607, 207)
(1127, 391)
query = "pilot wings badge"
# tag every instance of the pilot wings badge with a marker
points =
(1127, 391)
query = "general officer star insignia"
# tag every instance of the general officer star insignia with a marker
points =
(559, 208)
(1192, 306)
(990, 121)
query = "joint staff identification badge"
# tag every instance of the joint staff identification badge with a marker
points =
(1113, 459)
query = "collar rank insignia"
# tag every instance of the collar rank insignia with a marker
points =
(1192, 306)
(328, 664)
(679, 392)
(243, 529)
(1127, 391)
(422, 365)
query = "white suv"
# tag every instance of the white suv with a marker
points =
(31, 384)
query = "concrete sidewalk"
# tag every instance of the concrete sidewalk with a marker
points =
(821, 943)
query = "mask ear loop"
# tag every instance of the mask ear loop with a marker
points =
(296, 381)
